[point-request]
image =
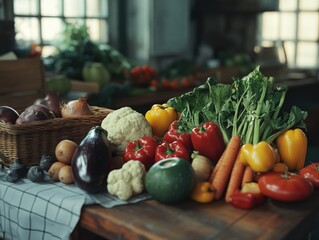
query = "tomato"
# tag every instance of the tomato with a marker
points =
(188, 81)
(149, 71)
(174, 84)
(142, 75)
(311, 173)
(154, 83)
(135, 72)
(286, 187)
(165, 83)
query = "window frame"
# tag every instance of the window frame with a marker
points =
(9, 5)
(295, 40)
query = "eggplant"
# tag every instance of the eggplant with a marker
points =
(91, 161)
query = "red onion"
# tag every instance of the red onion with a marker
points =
(52, 101)
(8, 114)
(35, 112)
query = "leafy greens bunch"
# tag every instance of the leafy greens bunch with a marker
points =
(250, 107)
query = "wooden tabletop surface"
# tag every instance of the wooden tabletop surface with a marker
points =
(217, 220)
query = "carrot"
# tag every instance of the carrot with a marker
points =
(215, 170)
(221, 177)
(248, 176)
(235, 178)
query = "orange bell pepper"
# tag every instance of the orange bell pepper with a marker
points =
(160, 117)
(280, 167)
(203, 193)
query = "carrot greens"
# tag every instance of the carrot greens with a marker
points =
(251, 107)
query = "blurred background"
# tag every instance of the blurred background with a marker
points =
(140, 52)
(158, 31)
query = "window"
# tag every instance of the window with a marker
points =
(296, 24)
(43, 21)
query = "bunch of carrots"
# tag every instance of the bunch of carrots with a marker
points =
(230, 173)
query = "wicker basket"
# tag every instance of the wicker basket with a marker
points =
(29, 141)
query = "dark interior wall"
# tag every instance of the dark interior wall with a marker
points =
(7, 36)
(7, 32)
(234, 33)
(228, 25)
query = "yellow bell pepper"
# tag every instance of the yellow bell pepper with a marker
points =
(261, 157)
(160, 117)
(202, 192)
(292, 146)
(250, 187)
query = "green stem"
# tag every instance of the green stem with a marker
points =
(257, 121)
(224, 132)
(250, 128)
(240, 128)
(268, 129)
(281, 102)
(235, 120)
(138, 146)
(244, 129)
(242, 120)
(168, 149)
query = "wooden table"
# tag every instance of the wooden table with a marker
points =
(189, 220)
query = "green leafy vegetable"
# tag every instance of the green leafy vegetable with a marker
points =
(250, 107)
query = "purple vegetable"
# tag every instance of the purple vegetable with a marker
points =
(8, 114)
(91, 161)
(35, 112)
(52, 102)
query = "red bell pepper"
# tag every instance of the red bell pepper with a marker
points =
(142, 150)
(311, 173)
(168, 150)
(208, 141)
(174, 133)
(246, 200)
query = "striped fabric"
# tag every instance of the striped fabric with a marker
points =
(48, 210)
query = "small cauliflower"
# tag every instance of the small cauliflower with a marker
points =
(127, 181)
(123, 126)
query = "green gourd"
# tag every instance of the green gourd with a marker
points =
(170, 180)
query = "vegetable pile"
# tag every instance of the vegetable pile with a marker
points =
(238, 131)
(235, 142)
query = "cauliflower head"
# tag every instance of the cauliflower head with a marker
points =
(125, 125)
(127, 181)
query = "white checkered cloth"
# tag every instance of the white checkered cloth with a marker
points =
(48, 210)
